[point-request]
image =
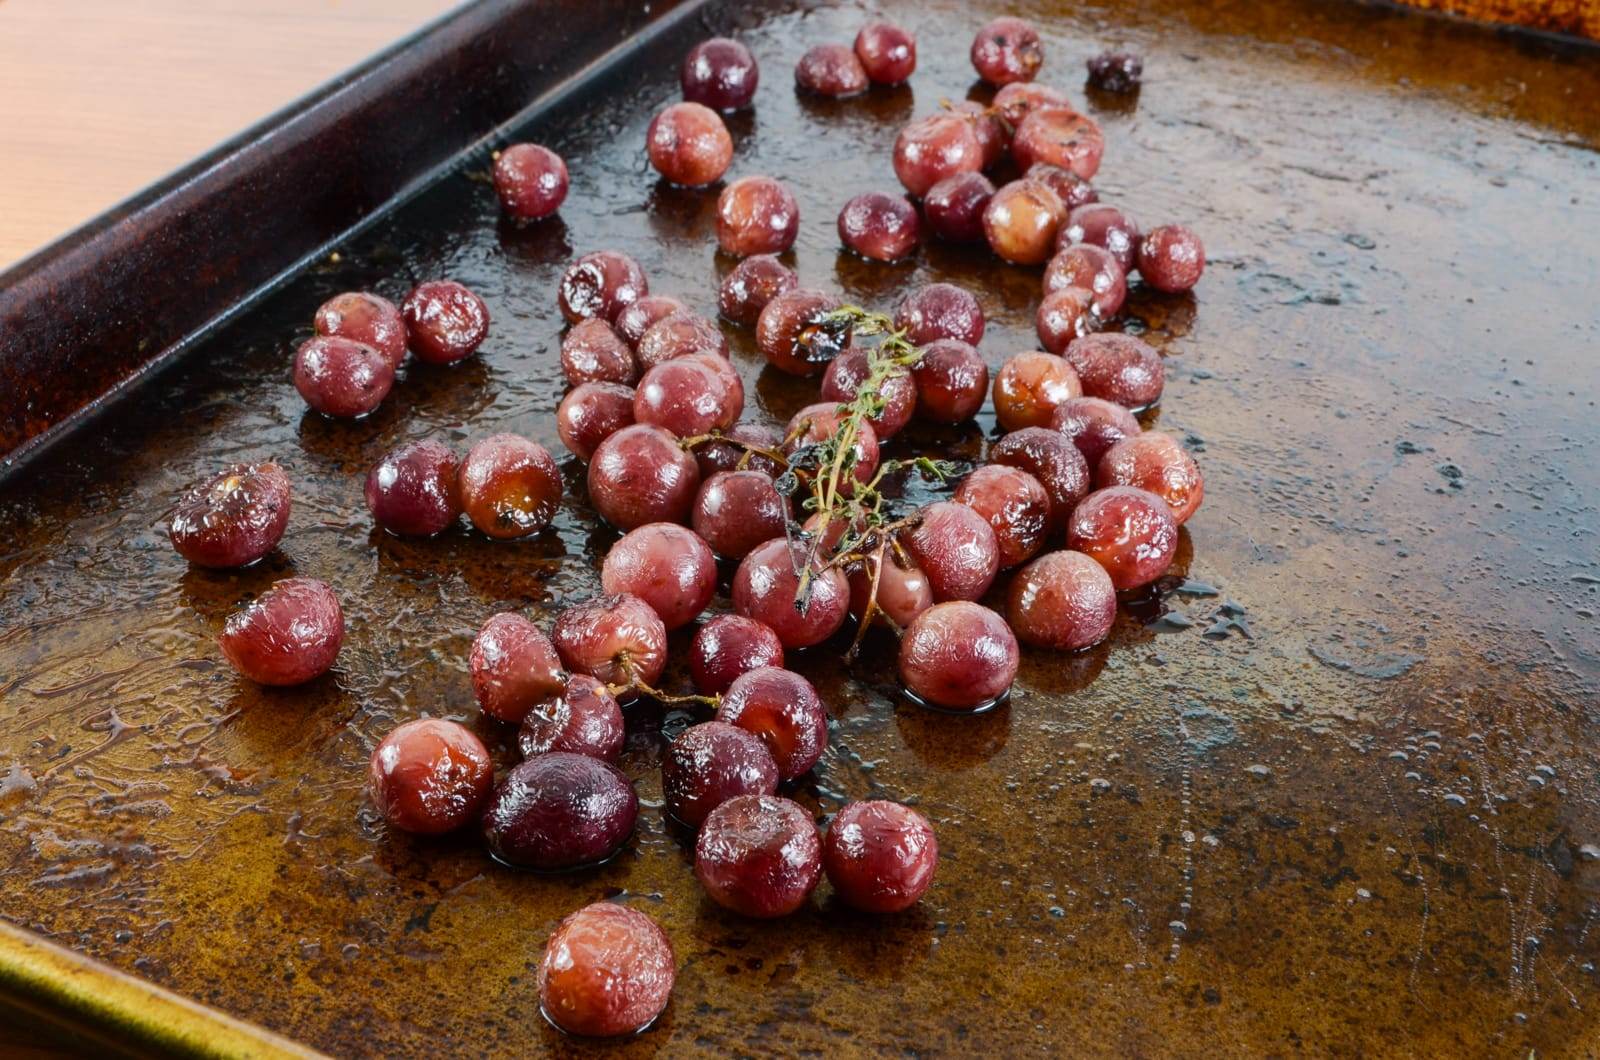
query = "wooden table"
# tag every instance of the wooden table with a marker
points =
(99, 98)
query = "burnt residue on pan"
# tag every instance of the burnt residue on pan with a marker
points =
(1336, 789)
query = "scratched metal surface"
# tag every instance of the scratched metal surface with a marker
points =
(1362, 818)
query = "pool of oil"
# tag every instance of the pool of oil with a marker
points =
(1337, 792)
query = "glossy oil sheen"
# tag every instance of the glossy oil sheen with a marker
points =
(1337, 833)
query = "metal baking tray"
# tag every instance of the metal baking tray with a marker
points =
(1334, 790)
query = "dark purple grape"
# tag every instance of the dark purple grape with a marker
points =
(591, 352)
(509, 486)
(1062, 600)
(531, 181)
(1119, 368)
(1115, 71)
(710, 763)
(757, 215)
(850, 370)
(667, 566)
(880, 856)
(937, 311)
(751, 284)
(1059, 136)
(365, 318)
(689, 145)
(1128, 531)
(1021, 222)
(1030, 387)
(607, 971)
(1007, 50)
(956, 548)
(1103, 225)
(1050, 457)
(514, 667)
(758, 855)
(341, 377)
(1073, 190)
(1014, 505)
(954, 207)
(1093, 268)
(583, 719)
(720, 73)
(1094, 425)
(887, 52)
(784, 710)
(614, 639)
(728, 646)
(411, 491)
(1156, 462)
(559, 811)
(591, 413)
(643, 314)
(1065, 315)
(934, 148)
(794, 334)
(641, 475)
(687, 398)
(602, 285)
(958, 656)
(445, 321)
(738, 510)
(952, 381)
(679, 335)
(1014, 102)
(429, 776)
(727, 454)
(1171, 258)
(766, 588)
(831, 70)
(234, 518)
(286, 636)
(904, 592)
(879, 227)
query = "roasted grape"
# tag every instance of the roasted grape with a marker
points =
(643, 314)
(1156, 462)
(1014, 505)
(667, 566)
(1171, 258)
(1115, 71)
(531, 181)
(514, 667)
(679, 335)
(286, 636)
(559, 811)
(445, 321)
(602, 285)
(879, 226)
(1094, 425)
(1062, 600)
(591, 352)
(738, 510)
(365, 318)
(234, 518)
(818, 423)
(720, 73)
(734, 452)
(689, 145)
(1072, 189)
(687, 398)
(903, 592)
(795, 334)
(341, 377)
(1007, 50)
(1030, 387)
(831, 70)
(880, 857)
(1128, 531)
(591, 413)
(845, 376)
(937, 311)
(751, 284)
(641, 475)
(429, 776)
(757, 215)
(1103, 225)
(607, 971)
(1021, 221)
(954, 207)
(934, 148)
(986, 126)
(758, 855)
(614, 639)
(766, 587)
(1091, 267)
(583, 719)
(1050, 457)
(784, 710)
(728, 646)
(1015, 101)
(1119, 368)
(710, 763)
(509, 486)
(951, 381)
(956, 548)
(1065, 314)
(411, 491)
(1059, 136)
(887, 52)
(958, 656)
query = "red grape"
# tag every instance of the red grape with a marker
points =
(411, 491)
(738, 510)
(986, 126)
(956, 548)
(1021, 221)
(1093, 268)
(819, 423)
(937, 311)
(531, 181)
(794, 335)
(445, 321)
(933, 148)
(591, 413)
(429, 776)
(602, 285)
(1007, 50)
(784, 710)
(844, 377)
(887, 52)
(680, 335)
(559, 811)
(641, 475)
(584, 719)
(758, 855)
(1050, 457)
(729, 455)
(710, 763)
(1156, 462)
(1171, 258)
(880, 227)
(686, 398)
(1030, 387)
(1094, 425)
(880, 856)
(689, 145)
(1103, 225)
(952, 381)
(1062, 137)
(614, 639)
(757, 215)
(904, 592)
(1062, 600)
(1128, 531)
(1015, 101)
(751, 284)
(643, 314)
(831, 70)
(1119, 368)
(233, 518)
(365, 318)
(765, 588)
(509, 487)
(1015, 506)
(720, 73)
(667, 566)
(1065, 315)
(607, 971)
(728, 646)
(1073, 190)
(954, 207)
(286, 636)
(341, 377)
(958, 656)
(514, 667)
(591, 352)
